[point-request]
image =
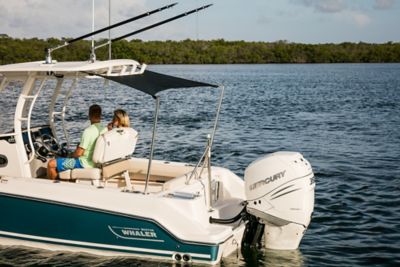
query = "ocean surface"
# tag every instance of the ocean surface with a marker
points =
(344, 118)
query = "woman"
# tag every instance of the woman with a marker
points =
(120, 119)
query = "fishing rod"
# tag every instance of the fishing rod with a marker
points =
(153, 25)
(49, 50)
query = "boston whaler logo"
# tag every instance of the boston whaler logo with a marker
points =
(134, 233)
(268, 180)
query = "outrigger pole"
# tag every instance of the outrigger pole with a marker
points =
(49, 50)
(153, 25)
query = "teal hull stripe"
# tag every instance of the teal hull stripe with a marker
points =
(145, 253)
(63, 204)
(59, 221)
(90, 247)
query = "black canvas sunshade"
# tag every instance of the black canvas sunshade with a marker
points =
(152, 82)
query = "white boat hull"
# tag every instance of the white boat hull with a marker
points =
(106, 221)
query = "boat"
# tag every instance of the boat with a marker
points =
(131, 206)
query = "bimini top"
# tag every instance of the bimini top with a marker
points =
(124, 71)
(152, 82)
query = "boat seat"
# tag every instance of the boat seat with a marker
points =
(111, 148)
(89, 173)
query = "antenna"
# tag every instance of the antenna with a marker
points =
(197, 25)
(109, 31)
(92, 53)
(49, 50)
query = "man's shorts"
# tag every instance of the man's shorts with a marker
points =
(64, 164)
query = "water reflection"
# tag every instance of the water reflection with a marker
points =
(287, 258)
(265, 257)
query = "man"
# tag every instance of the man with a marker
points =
(82, 156)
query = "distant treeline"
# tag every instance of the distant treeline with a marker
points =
(203, 52)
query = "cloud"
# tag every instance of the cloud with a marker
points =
(61, 18)
(360, 19)
(383, 4)
(326, 6)
(347, 11)
(336, 6)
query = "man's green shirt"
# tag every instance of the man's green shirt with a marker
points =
(88, 142)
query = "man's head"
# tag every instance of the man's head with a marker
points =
(95, 113)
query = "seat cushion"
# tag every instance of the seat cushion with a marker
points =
(116, 168)
(65, 175)
(86, 173)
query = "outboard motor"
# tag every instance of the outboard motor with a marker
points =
(280, 194)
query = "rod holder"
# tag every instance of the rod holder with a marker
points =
(48, 59)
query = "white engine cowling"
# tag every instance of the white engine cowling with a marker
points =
(279, 190)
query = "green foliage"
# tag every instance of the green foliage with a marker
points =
(202, 52)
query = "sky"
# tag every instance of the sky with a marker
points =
(301, 21)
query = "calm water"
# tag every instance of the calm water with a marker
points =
(344, 118)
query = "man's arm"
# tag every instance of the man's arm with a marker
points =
(80, 148)
(78, 152)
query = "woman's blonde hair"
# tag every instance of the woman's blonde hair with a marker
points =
(122, 117)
